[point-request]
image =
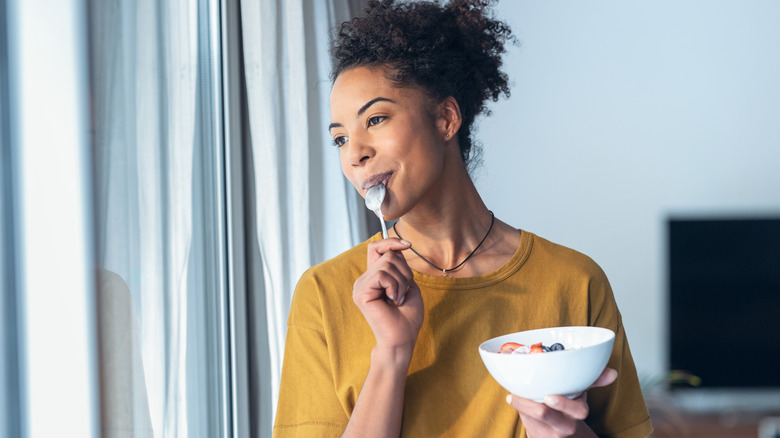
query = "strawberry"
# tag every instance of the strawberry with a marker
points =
(537, 348)
(509, 347)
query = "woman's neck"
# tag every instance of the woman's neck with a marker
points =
(448, 226)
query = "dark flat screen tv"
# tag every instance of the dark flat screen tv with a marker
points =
(724, 301)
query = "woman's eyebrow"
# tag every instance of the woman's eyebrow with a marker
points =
(363, 109)
(371, 102)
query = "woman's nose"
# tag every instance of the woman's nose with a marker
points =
(360, 151)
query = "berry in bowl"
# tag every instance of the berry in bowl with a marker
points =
(549, 361)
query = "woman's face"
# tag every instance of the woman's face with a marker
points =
(387, 134)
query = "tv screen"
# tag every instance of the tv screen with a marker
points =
(724, 301)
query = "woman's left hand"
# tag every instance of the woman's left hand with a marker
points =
(558, 416)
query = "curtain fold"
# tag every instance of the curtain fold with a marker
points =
(157, 217)
(301, 210)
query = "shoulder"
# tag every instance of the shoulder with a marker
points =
(574, 271)
(563, 259)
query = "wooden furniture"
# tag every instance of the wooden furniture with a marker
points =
(670, 422)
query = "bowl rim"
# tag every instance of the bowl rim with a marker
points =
(609, 332)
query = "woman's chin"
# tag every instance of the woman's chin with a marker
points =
(389, 217)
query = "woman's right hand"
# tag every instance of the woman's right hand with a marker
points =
(388, 297)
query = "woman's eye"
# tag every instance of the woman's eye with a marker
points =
(376, 119)
(340, 140)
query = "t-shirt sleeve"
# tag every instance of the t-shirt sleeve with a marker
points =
(308, 406)
(617, 410)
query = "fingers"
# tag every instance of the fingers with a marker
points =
(554, 409)
(557, 416)
(394, 280)
(388, 276)
(380, 247)
(388, 273)
(607, 376)
(541, 419)
(576, 408)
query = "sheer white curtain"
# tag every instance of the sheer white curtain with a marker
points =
(158, 187)
(301, 209)
(158, 201)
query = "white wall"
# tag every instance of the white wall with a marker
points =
(624, 112)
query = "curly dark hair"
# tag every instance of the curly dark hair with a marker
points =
(453, 50)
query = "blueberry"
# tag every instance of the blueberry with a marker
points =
(556, 347)
(545, 348)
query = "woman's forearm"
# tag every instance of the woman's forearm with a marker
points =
(379, 406)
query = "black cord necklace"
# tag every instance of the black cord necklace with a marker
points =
(445, 271)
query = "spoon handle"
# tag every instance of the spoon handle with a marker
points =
(378, 213)
(384, 227)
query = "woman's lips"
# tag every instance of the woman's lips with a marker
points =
(376, 179)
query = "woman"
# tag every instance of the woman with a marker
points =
(382, 340)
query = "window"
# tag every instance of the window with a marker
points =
(160, 247)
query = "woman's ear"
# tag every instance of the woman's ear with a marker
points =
(450, 118)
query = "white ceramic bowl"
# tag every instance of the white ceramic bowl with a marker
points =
(568, 372)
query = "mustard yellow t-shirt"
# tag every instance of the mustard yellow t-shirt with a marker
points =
(448, 390)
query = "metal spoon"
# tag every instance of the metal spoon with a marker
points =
(374, 198)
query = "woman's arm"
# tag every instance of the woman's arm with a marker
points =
(392, 305)
(379, 406)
